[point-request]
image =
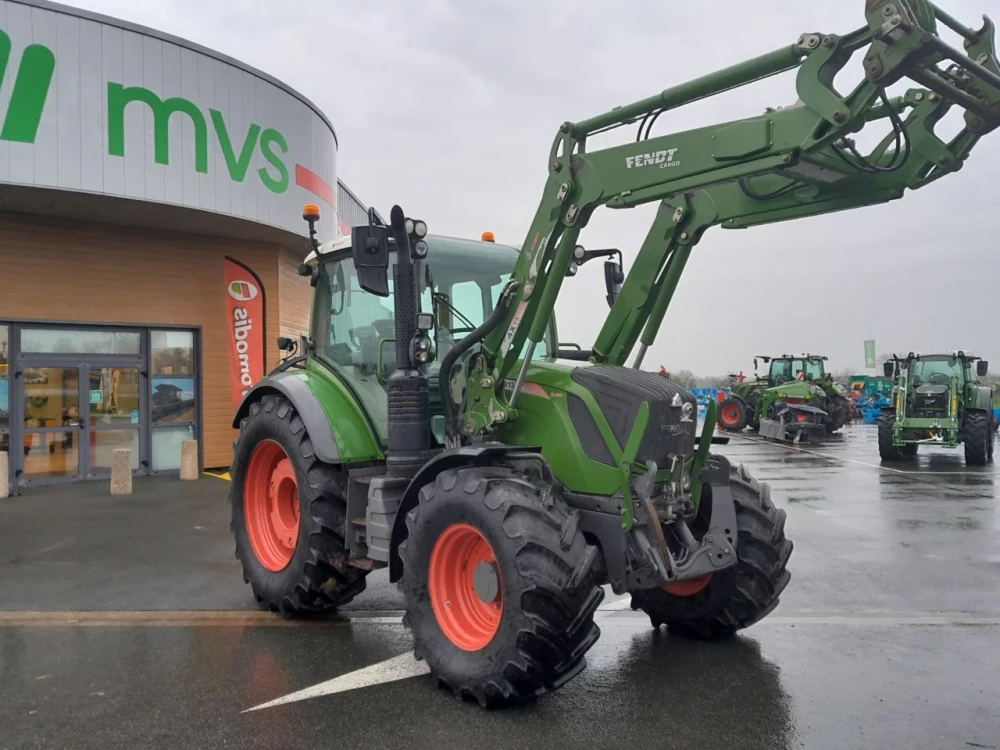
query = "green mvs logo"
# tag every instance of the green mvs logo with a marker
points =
(31, 88)
(33, 81)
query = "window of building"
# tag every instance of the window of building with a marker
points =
(173, 395)
(79, 341)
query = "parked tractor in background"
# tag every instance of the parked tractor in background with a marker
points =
(795, 386)
(434, 426)
(938, 400)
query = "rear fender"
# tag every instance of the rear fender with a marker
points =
(490, 453)
(344, 439)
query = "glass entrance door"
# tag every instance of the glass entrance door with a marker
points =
(52, 422)
(75, 416)
(113, 415)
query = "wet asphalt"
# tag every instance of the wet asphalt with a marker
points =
(124, 622)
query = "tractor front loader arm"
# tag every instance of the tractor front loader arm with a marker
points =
(787, 163)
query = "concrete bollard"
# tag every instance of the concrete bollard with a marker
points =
(4, 474)
(121, 472)
(189, 460)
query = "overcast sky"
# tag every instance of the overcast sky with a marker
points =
(449, 108)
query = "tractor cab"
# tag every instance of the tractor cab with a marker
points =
(788, 369)
(353, 329)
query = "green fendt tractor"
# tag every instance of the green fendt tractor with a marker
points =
(937, 400)
(433, 425)
(797, 385)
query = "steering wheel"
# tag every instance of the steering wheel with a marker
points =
(939, 378)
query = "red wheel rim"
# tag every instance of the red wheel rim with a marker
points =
(688, 588)
(730, 414)
(467, 619)
(271, 506)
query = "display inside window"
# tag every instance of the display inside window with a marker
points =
(51, 397)
(173, 400)
(114, 395)
(171, 353)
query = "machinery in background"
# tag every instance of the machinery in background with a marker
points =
(937, 400)
(796, 399)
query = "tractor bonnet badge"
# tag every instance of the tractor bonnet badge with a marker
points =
(686, 411)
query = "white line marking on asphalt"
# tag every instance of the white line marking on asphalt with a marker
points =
(625, 603)
(399, 667)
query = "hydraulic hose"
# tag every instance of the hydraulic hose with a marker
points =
(473, 338)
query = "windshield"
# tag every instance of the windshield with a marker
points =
(813, 368)
(935, 370)
(354, 331)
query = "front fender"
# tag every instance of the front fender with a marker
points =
(985, 399)
(450, 459)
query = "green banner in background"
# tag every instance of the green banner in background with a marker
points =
(870, 353)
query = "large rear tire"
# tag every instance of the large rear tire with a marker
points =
(733, 414)
(741, 595)
(978, 438)
(500, 585)
(288, 513)
(886, 450)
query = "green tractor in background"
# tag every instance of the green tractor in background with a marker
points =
(795, 386)
(938, 400)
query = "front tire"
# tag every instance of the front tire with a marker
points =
(500, 585)
(978, 439)
(288, 513)
(838, 413)
(741, 595)
(886, 450)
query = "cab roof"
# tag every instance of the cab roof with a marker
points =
(956, 353)
(457, 244)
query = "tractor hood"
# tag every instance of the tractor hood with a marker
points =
(798, 391)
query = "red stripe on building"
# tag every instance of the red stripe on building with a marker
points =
(315, 184)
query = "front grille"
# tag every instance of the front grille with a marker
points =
(619, 392)
(931, 401)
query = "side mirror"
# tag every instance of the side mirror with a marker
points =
(370, 247)
(286, 344)
(613, 279)
(982, 367)
(614, 276)
(889, 368)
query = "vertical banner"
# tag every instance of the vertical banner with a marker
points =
(870, 354)
(245, 327)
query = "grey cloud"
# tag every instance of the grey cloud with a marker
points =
(449, 108)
